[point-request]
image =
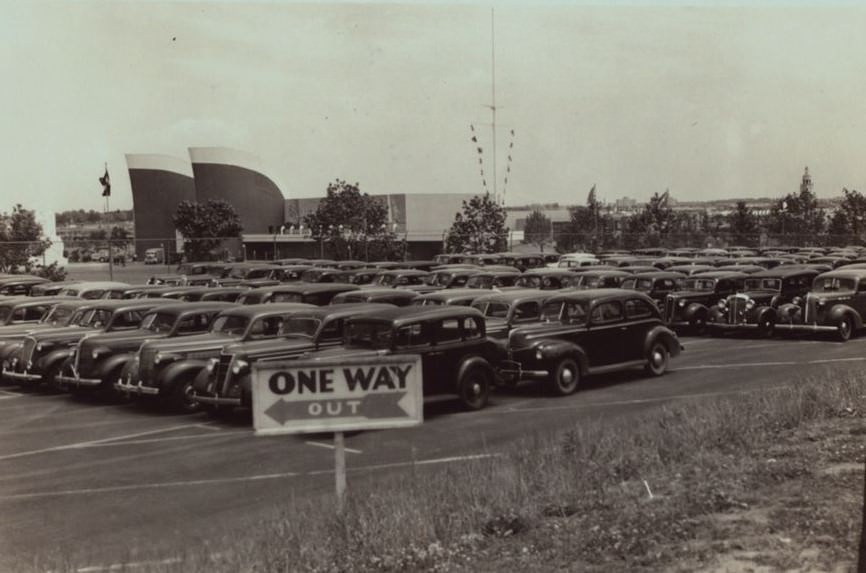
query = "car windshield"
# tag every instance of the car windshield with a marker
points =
(96, 318)
(300, 326)
(440, 279)
(287, 297)
(428, 302)
(68, 292)
(480, 281)
(230, 324)
(5, 313)
(529, 281)
(638, 284)
(493, 309)
(701, 284)
(79, 317)
(312, 275)
(369, 334)
(832, 284)
(60, 314)
(590, 281)
(258, 274)
(158, 322)
(569, 312)
(763, 284)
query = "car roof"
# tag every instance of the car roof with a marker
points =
(305, 288)
(843, 272)
(658, 275)
(454, 293)
(346, 310)
(404, 272)
(543, 271)
(130, 304)
(719, 274)
(181, 308)
(384, 291)
(611, 272)
(785, 271)
(515, 295)
(251, 310)
(99, 284)
(407, 314)
(596, 295)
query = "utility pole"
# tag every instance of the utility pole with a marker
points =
(493, 101)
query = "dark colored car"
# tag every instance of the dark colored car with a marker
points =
(547, 279)
(43, 352)
(325, 275)
(50, 288)
(493, 279)
(590, 332)
(451, 277)
(216, 294)
(61, 314)
(691, 269)
(657, 285)
(755, 309)
(168, 368)
(395, 296)
(836, 304)
(402, 278)
(602, 279)
(97, 360)
(226, 381)
(690, 307)
(317, 294)
(506, 310)
(365, 276)
(95, 290)
(456, 355)
(19, 286)
(451, 296)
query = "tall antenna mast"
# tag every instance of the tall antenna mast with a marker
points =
(493, 100)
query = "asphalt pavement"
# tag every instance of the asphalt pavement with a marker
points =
(107, 483)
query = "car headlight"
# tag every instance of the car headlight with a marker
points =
(42, 346)
(797, 300)
(723, 303)
(682, 303)
(822, 301)
(750, 304)
(539, 355)
(239, 366)
(164, 357)
(211, 364)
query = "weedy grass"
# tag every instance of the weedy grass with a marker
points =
(604, 495)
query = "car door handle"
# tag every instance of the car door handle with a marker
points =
(623, 328)
(435, 353)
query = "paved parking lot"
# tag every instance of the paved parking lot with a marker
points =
(95, 478)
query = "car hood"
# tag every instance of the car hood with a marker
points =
(754, 295)
(689, 294)
(125, 338)
(269, 346)
(196, 342)
(341, 352)
(19, 330)
(62, 333)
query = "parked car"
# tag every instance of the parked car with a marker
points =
(493, 279)
(456, 355)
(602, 279)
(755, 309)
(450, 296)
(50, 288)
(402, 278)
(506, 310)
(42, 353)
(154, 256)
(61, 314)
(19, 285)
(319, 294)
(451, 277)
(690, 306)
(586, 333)
(836, 304)
(225, 294)
(547, 279)
(226, 381)
(395, 296)
(97, 360)
(657, 285)
(95, 290)
(168, 368)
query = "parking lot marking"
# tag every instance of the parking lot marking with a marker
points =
(740, 365)
(165, 439)
(125, 566)
(331, 447)
(79, 445)
(826, 360)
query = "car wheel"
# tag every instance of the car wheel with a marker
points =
(474, 388)
(49, 378)
(844, 328)
(565, 377)
(183, 396)
(699, 325)
(766, 327)
(657, 359)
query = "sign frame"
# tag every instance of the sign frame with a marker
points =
(262, 395)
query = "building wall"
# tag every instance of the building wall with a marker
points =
(159, 183)
(234, 177)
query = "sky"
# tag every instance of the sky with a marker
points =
(715, 101)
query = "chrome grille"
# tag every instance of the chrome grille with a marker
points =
(145, 364)
(27, 349)
(221, 372)
(84, 358)
(670, 305)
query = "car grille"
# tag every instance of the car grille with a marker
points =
(736, 310)
(145, 365)
(84, 358)
(222, 372)
(27, 349)
(670, 305)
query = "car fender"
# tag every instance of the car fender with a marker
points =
(474, 362)
(53, 358)
(715, 315)
(113, 364)
(693, 310)
(179, 370)
(558, 349)
(788, 310)
(667, 336)
(9, 349)
(839, 310)
(767, 313)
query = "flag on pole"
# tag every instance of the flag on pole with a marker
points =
(105, 180)
(590, 200)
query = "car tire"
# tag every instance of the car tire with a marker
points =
(698, 325)
(766, 327)
(565, 378)
(473, 388)
(844, 328)
(49, 377)
(657, 359)
(181, 398)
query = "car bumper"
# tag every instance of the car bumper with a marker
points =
(512, 370)
(21, 376)
(728, 326)
(805, 327)
(135, 388)
(78, 382)
(212, 400)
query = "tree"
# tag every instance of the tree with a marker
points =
(479, 228)
(652, 226)
(205, 226)
(839, 228)
(354, 225)
(743, 225)
(537, 229)
(853, 207)
(20, 239)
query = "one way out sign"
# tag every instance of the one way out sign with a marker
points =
(337, 396)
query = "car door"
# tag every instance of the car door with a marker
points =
(607, 330)
(416, 338)
(640, 318)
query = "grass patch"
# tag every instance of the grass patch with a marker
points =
(721, 471)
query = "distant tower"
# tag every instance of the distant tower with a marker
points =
(806, 184)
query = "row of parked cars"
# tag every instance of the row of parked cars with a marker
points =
(194, 354)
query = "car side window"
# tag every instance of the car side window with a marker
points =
(449, 330)
(266, 327)
(19, 315)
(723, 285)
(34, 312)
(333, 330)
(637, 308)
(607, 312)
(471, 328)
(526, 311)
(129, 319)
(193, 324)
(411, 335)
